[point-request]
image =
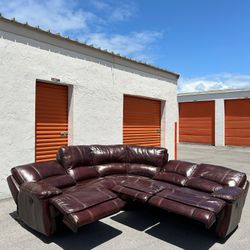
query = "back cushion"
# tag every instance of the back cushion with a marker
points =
(154, 156)
(83, 172)
(74, 156)
(111, 168)
(223, 176)
(176, 172)
(103, 154)
(37, 171)
(142, 169)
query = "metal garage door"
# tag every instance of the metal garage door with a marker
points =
(237, 122)
(196, 122)
(141, 121)
(51, 120)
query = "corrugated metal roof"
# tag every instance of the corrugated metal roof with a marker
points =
(58, 35)
(215, 92)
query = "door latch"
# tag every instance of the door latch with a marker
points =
(64, 133)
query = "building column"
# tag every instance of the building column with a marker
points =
(219, 123)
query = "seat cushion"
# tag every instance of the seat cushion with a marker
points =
(202, 215)
(194, 199)
(77, 200)
(141, 189)
(76, 219)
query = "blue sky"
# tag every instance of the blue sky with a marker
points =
(206, 41)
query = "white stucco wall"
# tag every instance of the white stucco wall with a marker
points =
(96, 108)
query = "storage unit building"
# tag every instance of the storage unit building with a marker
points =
(55, 91)
(228, 119)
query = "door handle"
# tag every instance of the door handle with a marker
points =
(64, 133)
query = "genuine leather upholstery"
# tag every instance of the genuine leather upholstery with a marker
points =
(221, 175)
(37, 171)
(87, 183)
(177, 172)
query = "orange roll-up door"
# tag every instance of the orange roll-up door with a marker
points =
(51, 120)
(197, 122)
(141, 121)
(237, 122)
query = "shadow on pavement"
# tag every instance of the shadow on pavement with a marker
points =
(87, 237)
(174, 229)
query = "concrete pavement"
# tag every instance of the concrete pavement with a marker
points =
(138, 229)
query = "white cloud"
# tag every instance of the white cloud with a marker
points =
(214, 82)
(132, 44)
(68, 18)
(57, 15)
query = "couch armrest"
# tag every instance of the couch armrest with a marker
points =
(228, 193)
(40, 189)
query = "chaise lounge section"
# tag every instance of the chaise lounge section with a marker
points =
(89, 182)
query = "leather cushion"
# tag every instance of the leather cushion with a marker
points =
(203, 184)
(112, 168)
(204, 216)
(193, 199)
(84, 198)
(221, 175)
(37, 171)
(74, 156)
(91, 214)
(228, 193)
(154, 156)
(103, 154)
(83, 172)
(131, 193)
(59, 181)
(180, 167)
(142, 169)
(145, 185)
(171, 177)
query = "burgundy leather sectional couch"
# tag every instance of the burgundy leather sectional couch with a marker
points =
(87, 183)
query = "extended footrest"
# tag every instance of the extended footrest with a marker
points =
(87, 205)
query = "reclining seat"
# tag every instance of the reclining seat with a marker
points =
(87, 201)
(144, 162)
(31, 186)
(202, 192)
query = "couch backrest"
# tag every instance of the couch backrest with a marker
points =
(221, 175)
(153, 156)
(83, 162)
(204, 177)
(49, 171)
(177, 172)
(103, 154)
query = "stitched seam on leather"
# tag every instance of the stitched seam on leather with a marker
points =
(77, 200)
(92, 216)
(36, 171)
(192, 212)
(227, 172)
(176, 168)
(81, 154)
